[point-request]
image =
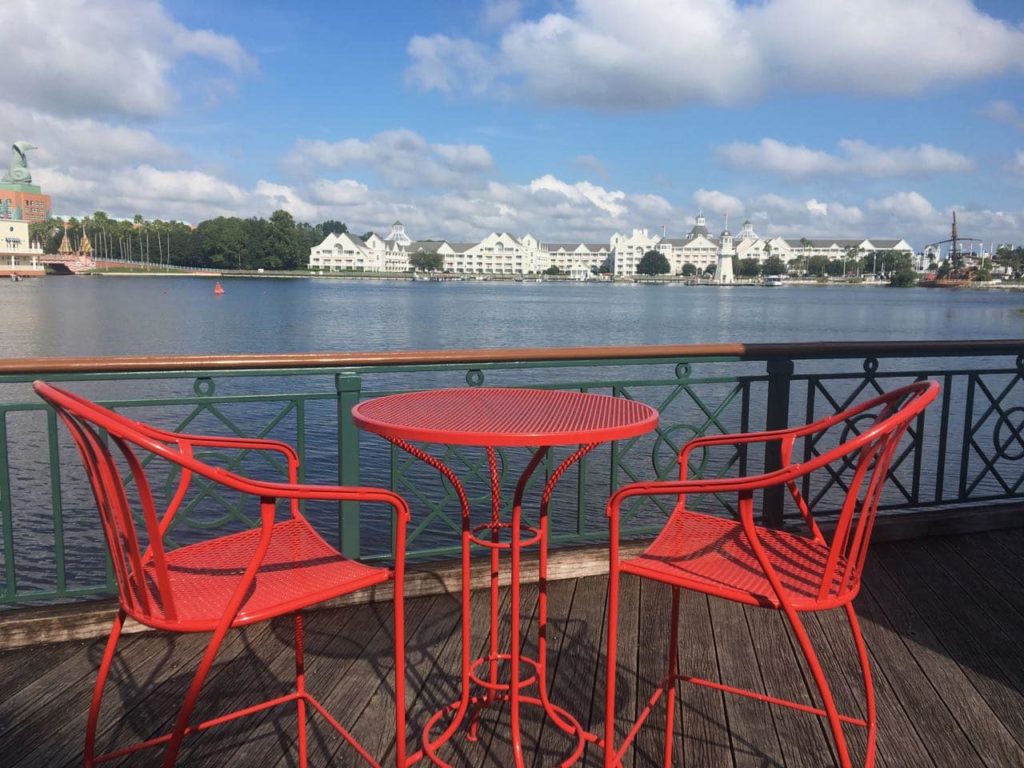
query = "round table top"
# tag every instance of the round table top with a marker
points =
(504, 417)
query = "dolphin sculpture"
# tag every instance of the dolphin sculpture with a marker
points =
(19, 173)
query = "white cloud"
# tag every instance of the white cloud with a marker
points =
(659, 53)
(402, 158)
(908, 205)
(815, 208)
(339, 192)
(1003, 111)
(81, 142)
(666, 53)
(1018, 162)
(776, 214)
(101, 57)
(862, 47)
(450, 65)
(854, 158)
(715, 202)
(498, 13)
(608, 201)
(775, 157)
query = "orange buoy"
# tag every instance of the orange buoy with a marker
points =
(218, 289)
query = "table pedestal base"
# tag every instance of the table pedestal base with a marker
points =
(459, 709)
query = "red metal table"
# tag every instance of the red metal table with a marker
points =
(494, 418)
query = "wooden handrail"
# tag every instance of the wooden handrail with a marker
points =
(795, 351)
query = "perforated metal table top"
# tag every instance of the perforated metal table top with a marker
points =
(504, 417)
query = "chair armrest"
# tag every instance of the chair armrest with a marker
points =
(270, 491)
(684, 487)
(788, 436)
(184, 439)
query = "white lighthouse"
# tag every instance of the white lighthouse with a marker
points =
(723, 272)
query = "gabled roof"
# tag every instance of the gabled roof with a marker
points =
(462, 247)
(426, 245)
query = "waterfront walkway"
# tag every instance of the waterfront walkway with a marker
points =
(943, 618)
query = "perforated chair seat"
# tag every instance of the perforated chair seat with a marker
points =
(299, 568)
(713, 554)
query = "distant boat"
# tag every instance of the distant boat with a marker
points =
(15, 278)
(218, 289)
(772, 281)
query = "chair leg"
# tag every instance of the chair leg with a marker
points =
(399, 630)
(609, 703)
(673, 671)
(97, 693)
(831, 712)
(869, 688)
(300, 688)
(193, 695)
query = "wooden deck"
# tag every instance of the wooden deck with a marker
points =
(943, 618)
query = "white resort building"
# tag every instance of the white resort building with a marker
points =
(504, 254)
(17, 256)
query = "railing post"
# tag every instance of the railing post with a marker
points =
(348, 388)
(780, 373)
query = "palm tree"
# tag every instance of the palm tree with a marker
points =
(807, 245)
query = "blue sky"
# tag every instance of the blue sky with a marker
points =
(569, 120)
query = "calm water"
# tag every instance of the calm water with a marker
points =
(151, 315)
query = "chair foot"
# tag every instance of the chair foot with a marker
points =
(97, 694)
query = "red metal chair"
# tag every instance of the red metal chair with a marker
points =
(230, 581)
(741, 561)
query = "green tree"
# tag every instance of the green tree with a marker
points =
(688, 270)
(331, 227)
(818, 265)
(902, 275)
(552, 270)
(653, 263)
(427, 262)
(773, 265)
(852, 254)
(1011, 258)
(747, 268)
(606, 265)
(835, 267)
(805, 257)
(284, 245)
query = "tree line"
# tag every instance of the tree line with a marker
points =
(896, 265)
(226, 242)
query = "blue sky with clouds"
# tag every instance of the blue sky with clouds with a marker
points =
(568, 119)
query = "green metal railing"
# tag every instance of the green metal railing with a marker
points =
(967, 453)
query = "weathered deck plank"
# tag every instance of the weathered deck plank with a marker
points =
(943, 619)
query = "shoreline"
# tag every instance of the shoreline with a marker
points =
(406, 277)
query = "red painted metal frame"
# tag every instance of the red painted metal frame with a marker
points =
(491, 417)
(744, 562)
(279, 568)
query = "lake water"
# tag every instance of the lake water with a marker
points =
(166, 316)
(58, 316)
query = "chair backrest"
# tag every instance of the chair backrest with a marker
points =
(141, 571)
(869, 453)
